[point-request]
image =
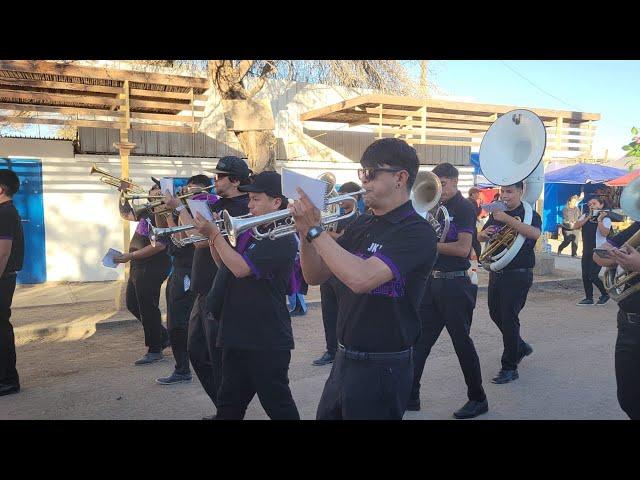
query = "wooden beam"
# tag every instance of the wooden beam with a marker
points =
(24, 107)
(137, 92)
(165, 105)
(81, 87)
(451, 143)
(61, 121)
(57, 68)
(168, 117)
(417, 123)
(336, 107)
(57, 97)
(432, 114)
(396, 130)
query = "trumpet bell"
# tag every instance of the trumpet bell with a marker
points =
(513, 147)
(630, 200)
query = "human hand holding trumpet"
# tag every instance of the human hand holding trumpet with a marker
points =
(305, 213)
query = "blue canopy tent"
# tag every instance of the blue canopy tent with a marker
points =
(561, 184)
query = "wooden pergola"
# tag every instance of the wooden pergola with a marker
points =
(46, 92)
(428, 121)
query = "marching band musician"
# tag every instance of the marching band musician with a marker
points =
(255, 326)
(179, 295)
(627, 350)
(230, 173)
(149, 268)
(381, 265)
(595, 229)
(450, 298)
(509, 287)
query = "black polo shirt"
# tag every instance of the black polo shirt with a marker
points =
(11, 229)
(526, 257)
(631, 304)
(140, 240)
(589, 235)
(462, 220)
(344, 223)
(204, 267)
(386, 319)
(254, 311)
(182, 256)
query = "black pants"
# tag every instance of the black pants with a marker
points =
(450, 304)
(206, 358)
(628, 366)
(590, 272)
(568, 238)
(366, 389)
(8, 372)
(143, 299)
(329, 304)
(475, 243)
(247, 372)
(179, 305)
(507, 295)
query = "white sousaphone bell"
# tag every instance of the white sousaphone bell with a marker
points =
(511, 151)
(425, 197)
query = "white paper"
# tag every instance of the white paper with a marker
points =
(186, 283)
(166, 184)
(107, 261)
(313, 188)
(495, 207)
(200, 206)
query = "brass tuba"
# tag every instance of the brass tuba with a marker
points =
(617, 281)
(123, 184)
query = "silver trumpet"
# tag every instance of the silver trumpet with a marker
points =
(162, 232)
(282, 220)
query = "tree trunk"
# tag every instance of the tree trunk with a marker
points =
(260, 148)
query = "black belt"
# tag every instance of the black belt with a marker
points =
(356, 355)
(527, 270)
(449, 275)
(9, 274)
(631, 317)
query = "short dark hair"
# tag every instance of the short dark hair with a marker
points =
(242, 180)
(395, 153)
(10, 182)
(349, 187)
(473, 190)
(200, 180)
(445, 170)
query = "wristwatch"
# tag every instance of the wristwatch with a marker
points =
(314, 232)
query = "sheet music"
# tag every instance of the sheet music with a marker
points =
(200, 206)
(166, 184)
(107, 261)
(313, 188)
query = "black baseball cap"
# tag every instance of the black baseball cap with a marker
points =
(265, 182)
(232, 165)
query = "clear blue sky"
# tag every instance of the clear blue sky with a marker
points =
(610, 88)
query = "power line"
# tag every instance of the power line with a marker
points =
(539, 88)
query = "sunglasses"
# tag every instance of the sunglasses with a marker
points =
(369, 174)
(221, 175)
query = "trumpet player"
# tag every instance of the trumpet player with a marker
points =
(255, 326)
(229, 175)
(595, 227)
(627, 350)
(149, 268)
(178, 293)
(450, 298)
(381, 265)
(509, 287)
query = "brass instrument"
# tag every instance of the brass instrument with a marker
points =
(511, 151)
(234, 226)
(617, 281)
(147, 208)
(330, 192)
(425, 196)
(123, 184)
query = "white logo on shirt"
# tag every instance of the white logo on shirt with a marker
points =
(374, 247)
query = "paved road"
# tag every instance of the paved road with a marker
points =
(569, 376)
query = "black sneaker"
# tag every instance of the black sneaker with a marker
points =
(414, 405)
(603, 299)
(174, 378)
(149, 358)
(526, 351)
(586, 301)
(8, 388)
(325, 359)
(505, 376)
(472, 409)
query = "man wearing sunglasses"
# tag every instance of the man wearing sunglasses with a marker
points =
(381, 265)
